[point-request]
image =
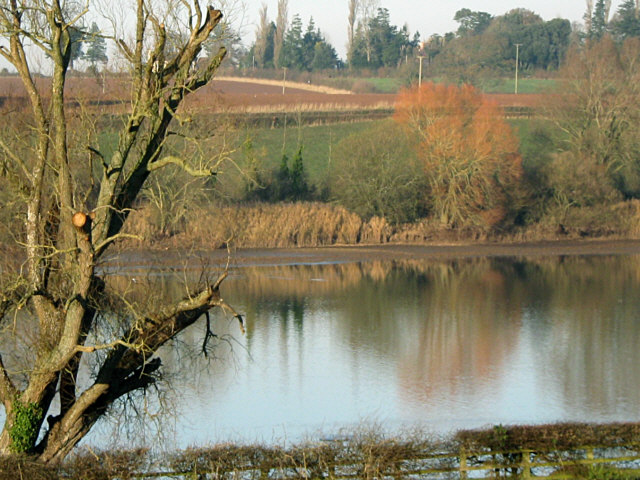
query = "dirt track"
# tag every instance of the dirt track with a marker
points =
(224, 95)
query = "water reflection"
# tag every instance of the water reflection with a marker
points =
(443, 345)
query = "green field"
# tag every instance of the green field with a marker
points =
(525, 85)
(318, 142)
(386, 84)
(490, 85)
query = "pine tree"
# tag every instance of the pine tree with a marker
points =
(598, 21)
(299, 186)
(96, 46)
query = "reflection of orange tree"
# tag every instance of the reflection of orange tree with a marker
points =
(469, 153)
(468, 329)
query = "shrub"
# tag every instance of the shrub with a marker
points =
(468, 153)
(374, 173)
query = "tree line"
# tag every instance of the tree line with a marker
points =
(482, 42)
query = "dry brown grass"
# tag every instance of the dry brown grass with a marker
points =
(618, 221)
(285, 225)
(265, 225)
(83, 465)
(299, 104)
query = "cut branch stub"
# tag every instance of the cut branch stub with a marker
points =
(82, 221)
(79, 220)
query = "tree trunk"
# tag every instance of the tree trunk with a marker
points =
(63, 243)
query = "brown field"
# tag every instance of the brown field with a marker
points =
(111, 95)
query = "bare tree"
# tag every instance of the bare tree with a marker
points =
(368, 10)
(281, 27)
(59, 298)
(353, 13)
(469, 153)
(588, 15)
(262, 34)
(599, 117)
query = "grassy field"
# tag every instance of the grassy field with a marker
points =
(318, 142)
(492, 85)
(525, 85)
(386, 84)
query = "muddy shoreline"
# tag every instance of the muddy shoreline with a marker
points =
(354, 254)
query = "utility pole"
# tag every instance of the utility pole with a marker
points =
(420, 71)
(284, 79)
(518, 45)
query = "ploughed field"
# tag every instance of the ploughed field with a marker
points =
(236, 95)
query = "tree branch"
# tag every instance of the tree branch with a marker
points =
(108, 241)
(182, 164)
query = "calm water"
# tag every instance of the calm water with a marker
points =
(441, 346)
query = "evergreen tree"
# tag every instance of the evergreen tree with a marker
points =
(77, 37)
(96, 46)
(472, 23)
(299, 185)
(598, 21)
(324, 56)
(311, 37)
(292, 48)
(627, 21)
(283, 180)
(380, 44)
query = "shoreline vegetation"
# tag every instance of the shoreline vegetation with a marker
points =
(306, 224)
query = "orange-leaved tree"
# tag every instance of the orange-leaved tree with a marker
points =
(468, 152)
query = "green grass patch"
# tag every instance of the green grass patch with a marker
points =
(538, 140)
(318, 143)
(525, 85)
(386, 84)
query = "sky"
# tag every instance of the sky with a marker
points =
(427, 17)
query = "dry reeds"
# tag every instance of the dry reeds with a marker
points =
(271, 226)
(309, 224)
(325, 106)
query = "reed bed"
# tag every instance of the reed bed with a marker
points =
(283, 225)
(315, 224)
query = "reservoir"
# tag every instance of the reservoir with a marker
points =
(399, 345)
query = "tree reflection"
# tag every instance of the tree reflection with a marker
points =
(414, 339)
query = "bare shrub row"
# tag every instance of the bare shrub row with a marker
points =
(365, 455)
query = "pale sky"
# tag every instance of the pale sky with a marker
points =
(425, 16)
